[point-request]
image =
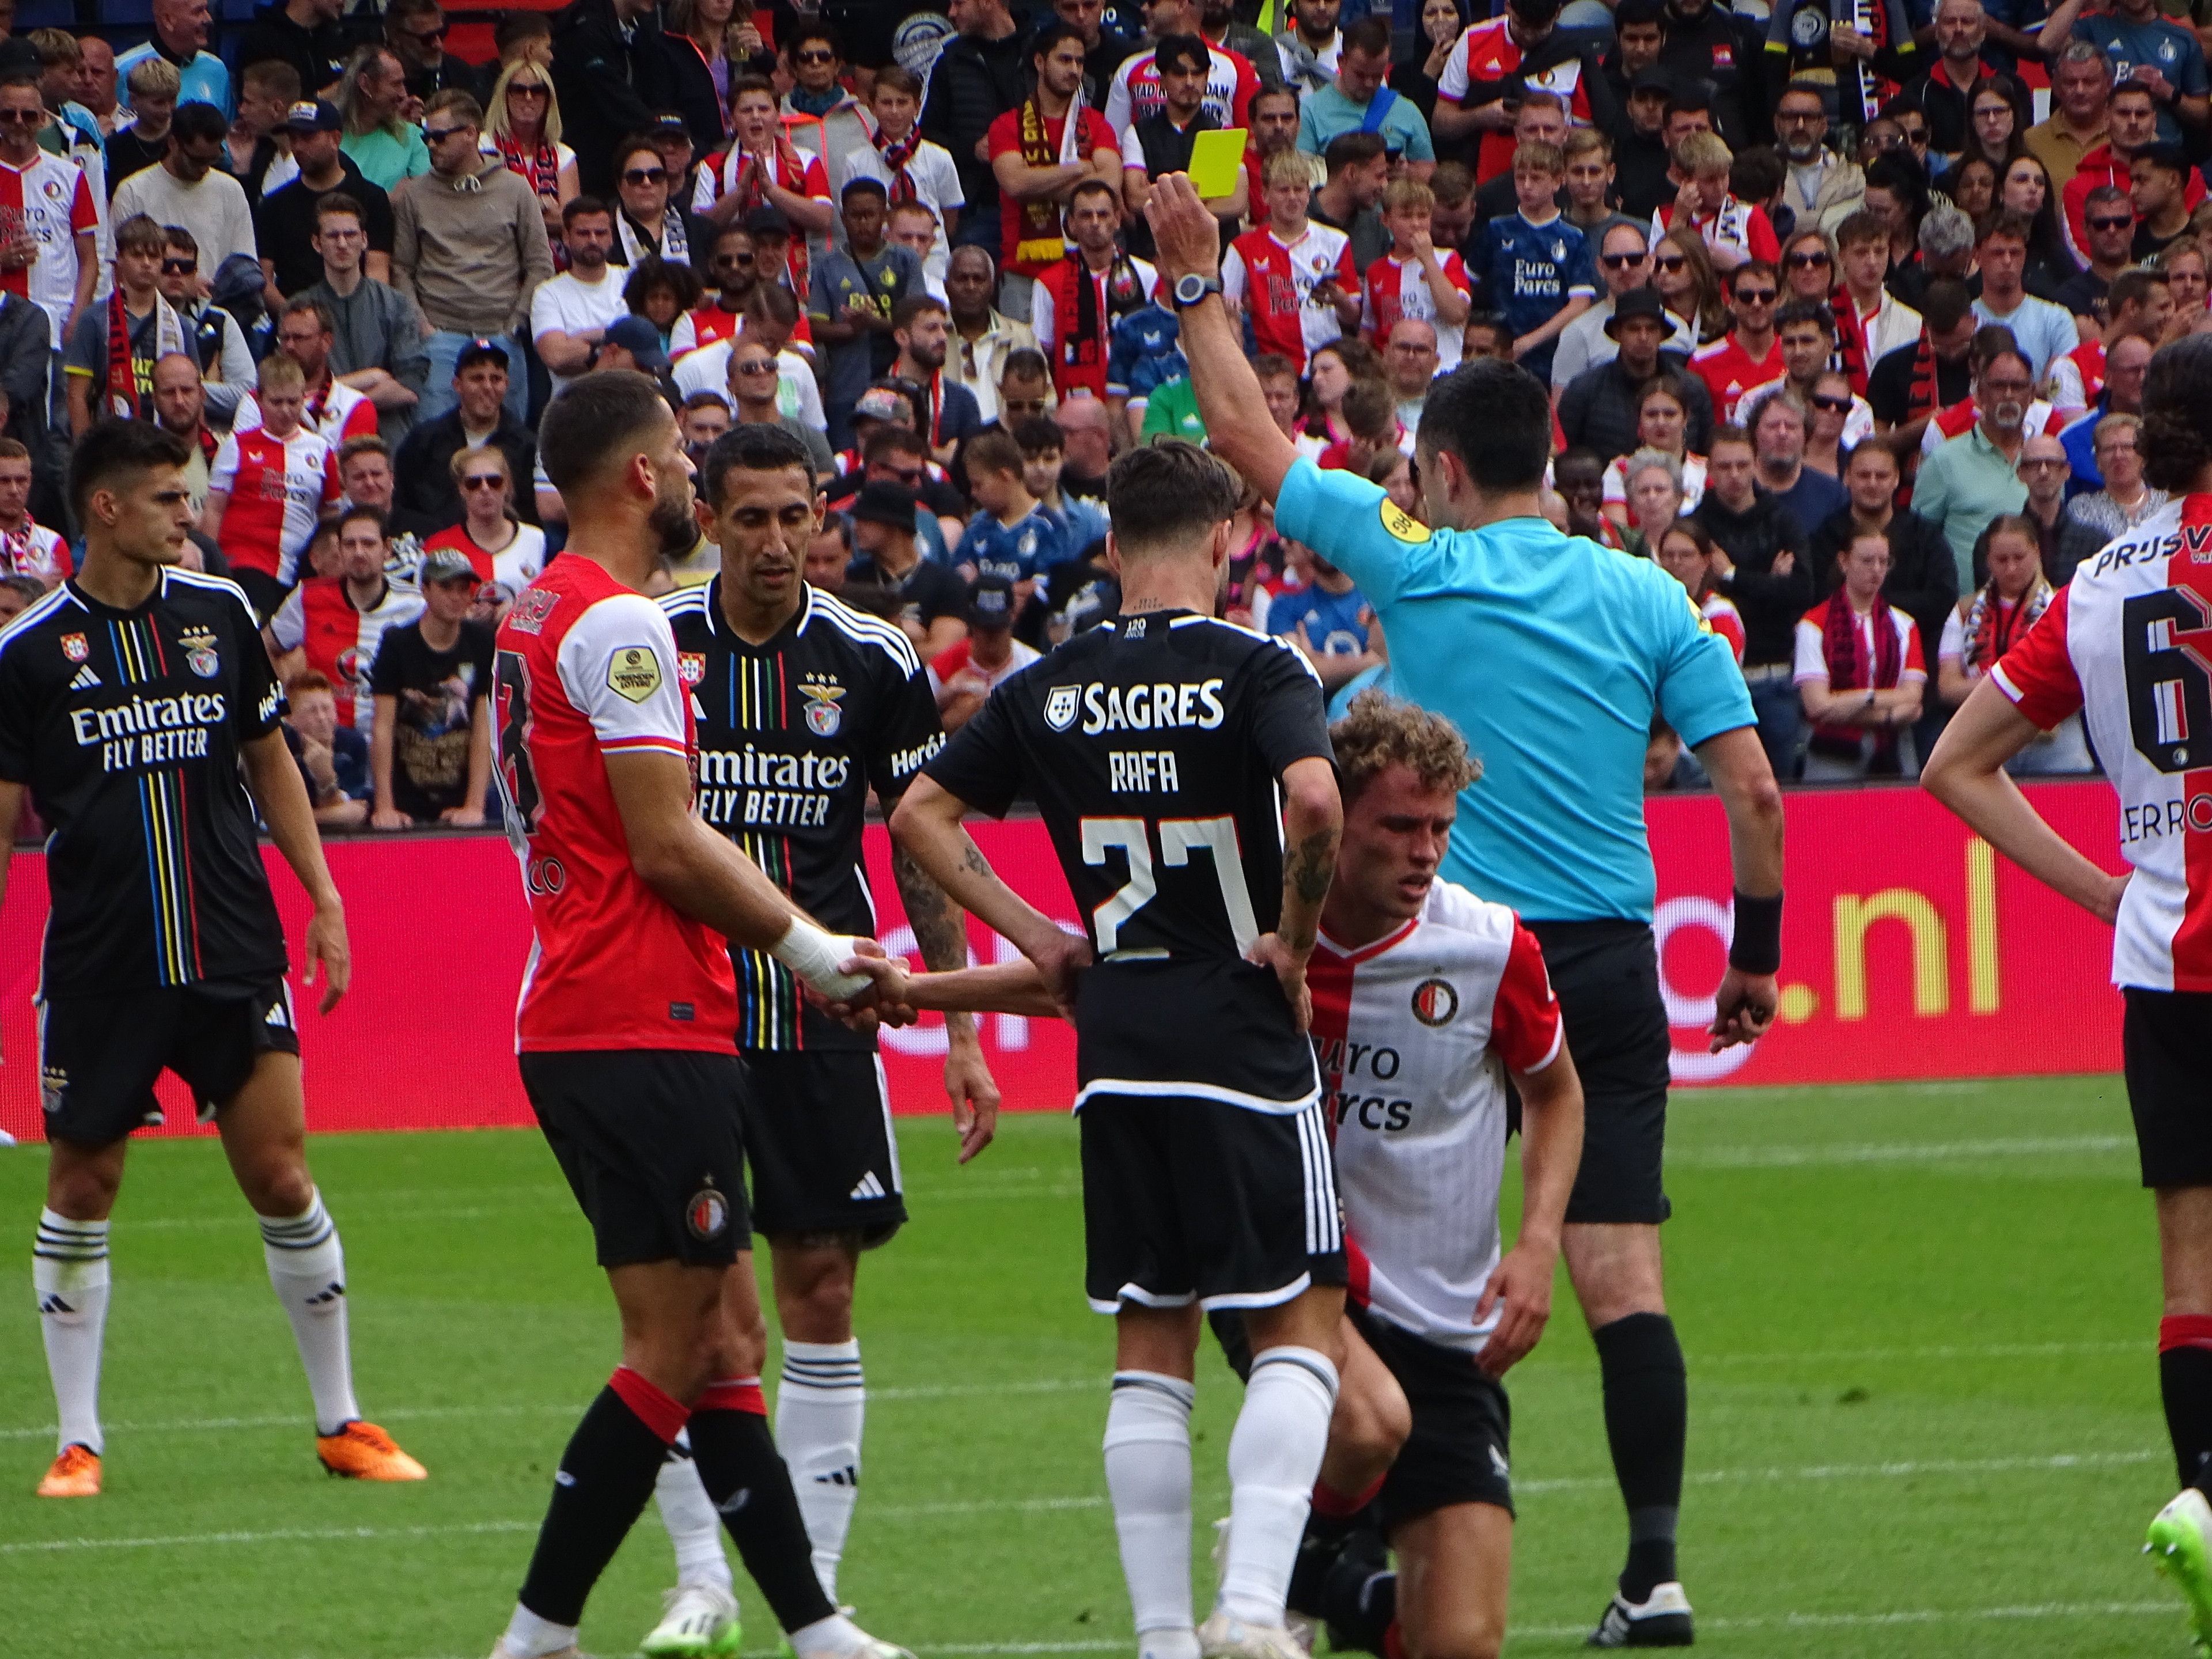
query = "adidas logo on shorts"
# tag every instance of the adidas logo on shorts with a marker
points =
(869, 1188)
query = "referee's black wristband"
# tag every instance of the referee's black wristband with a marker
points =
(1756, 946)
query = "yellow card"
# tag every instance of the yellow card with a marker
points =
(1214, 159)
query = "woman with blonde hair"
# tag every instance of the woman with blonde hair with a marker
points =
(500, 547)
(522, 127)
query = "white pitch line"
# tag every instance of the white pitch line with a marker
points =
(2173, 1608)
(1766, 1158)
(1906, 1470)
(286, 1535)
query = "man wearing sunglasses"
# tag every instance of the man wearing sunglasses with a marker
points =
(469, 248)
(1748, 354)
(416, 32)
(1623, 264)
(52, 257)
(2134, 117)
(190, 188)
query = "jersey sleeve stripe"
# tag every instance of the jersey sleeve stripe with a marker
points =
(216, 584)
(1275, 640)
(30, 619)
(867, 630)
(608, 745)
(1558, 1043)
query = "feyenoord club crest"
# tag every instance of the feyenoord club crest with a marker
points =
(75, 648)
(823, 716)
(708, 1214)
(1435, 1002)
(199, 651)
(691, 666)
(1059, 707)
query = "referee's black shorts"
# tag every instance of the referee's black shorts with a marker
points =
(2164, 1043)
(1606, 974)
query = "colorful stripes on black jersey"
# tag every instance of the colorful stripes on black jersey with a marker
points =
(127, 726)
(792, 734)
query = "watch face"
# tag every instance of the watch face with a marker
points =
(1190, 289)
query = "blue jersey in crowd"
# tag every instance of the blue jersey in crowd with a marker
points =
(1017, 551)
(2158, 43)
(1334, 626)
(1527, 273)
(1550, 654)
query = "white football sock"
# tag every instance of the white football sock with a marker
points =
(1148, 1475)
(1274, 1456)
(307, 1265)
(693, 1526)
(69, 1274)
(819, 1405)
(529, 1637)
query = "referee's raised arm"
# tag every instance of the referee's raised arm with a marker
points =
(1238, 428)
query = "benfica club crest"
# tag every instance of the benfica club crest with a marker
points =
(75, 648)
(200, 656)
(823, 716)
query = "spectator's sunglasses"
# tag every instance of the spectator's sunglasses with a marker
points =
(645, 176)
(2120, 223)
(22, 118)
(1024, 407)
(1917, 136)
(1812, 261)
(739, 260)
(483, 481)
(1670, 263)
(439, 134)
(180, 267)
(426, 36)
(765, 366)
(818, 56)
(1622, 261)
(529, 89)
(909, 476)
(1831, 403)
(1754, 296)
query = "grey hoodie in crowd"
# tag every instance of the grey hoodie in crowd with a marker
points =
(470, 251)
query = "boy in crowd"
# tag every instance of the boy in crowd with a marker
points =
(1412, 279)
(1534, 267)
(431, 745)
(1012, 536)
(1735, 231)
(1293, 281)
(1044, 448)
(912, 169)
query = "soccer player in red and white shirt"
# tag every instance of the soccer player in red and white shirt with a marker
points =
(1425, 1000)
(2125, 644)
(333, 411)
(27, 548)
(1134, 92)
(1859, 671)
(1489, 54)
(267, 490)
(1412, 280)
(338, 623)
(48, 222)
(626, 1032)
(1292, 280)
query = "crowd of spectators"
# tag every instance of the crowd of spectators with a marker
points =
(1846, 330)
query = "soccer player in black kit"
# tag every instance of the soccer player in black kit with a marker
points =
(802, 705)
(1182, 767)
(138, 710)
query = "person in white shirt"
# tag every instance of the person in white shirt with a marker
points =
(189, 188)
(912, 168)
(569, 314)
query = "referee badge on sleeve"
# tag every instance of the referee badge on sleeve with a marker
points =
(1402, 525)
(634, 671)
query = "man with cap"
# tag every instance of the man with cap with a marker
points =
(1598, 410)
(1623, 264)
(631, 343)
(966, 672)
(934, 601)
(425, 499)
(1640, 159)
(284, 219)
(430, 747)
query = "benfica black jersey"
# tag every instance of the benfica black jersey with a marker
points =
(792, 734)
(126, 725)
(1153, 746)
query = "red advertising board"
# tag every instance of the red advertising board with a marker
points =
(1909, 951)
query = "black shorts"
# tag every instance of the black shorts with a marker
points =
(263, 592)
(2164, 1041)
(1606, 974)
(98, 1055)
(818, 1136)
(1460, 1449)
(1185, 1199)
(651, 1148)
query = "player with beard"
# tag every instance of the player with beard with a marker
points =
(803, 707)
(624, 1035)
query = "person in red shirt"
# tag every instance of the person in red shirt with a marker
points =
(336, 624)
(1748, 355)
(1734, 230)
(1038, 159)
(268, 489)
(1412, 280)
(2133, 114)
(626, 1033)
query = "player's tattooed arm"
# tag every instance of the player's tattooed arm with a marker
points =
(940, 929)
(1313, 823)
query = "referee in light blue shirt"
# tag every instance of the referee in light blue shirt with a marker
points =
(1553, 655)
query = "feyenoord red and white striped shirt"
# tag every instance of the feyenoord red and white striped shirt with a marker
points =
(51, 198)
(2042, 421)
(334, 414)
(2126, 643)
(340, 641)
(1398, 291)
(1275, 285)
(34, 551)
(587, 668)
(1414, 1034)
(278, 489)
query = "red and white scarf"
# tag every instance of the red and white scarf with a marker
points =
(896, 158)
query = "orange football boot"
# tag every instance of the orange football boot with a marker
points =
(75, 1474)
(362, 1451)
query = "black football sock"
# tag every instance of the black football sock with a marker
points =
(1647, 1418)
(2184, 1384)
(750, 1487)
(606, 1475)
(1359, 1602)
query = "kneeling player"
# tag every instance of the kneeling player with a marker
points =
(1424, 999)
(136, 704)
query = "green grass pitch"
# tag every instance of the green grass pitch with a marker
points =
(1920, 1325)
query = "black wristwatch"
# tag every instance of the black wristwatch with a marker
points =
(1192, 288)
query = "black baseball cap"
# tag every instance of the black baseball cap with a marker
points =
(313, 115)
(638, 337)
(1652, 80)
(481, 351)
(768, 218)
(990, 603)
(883, 501)
(1637, 302)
